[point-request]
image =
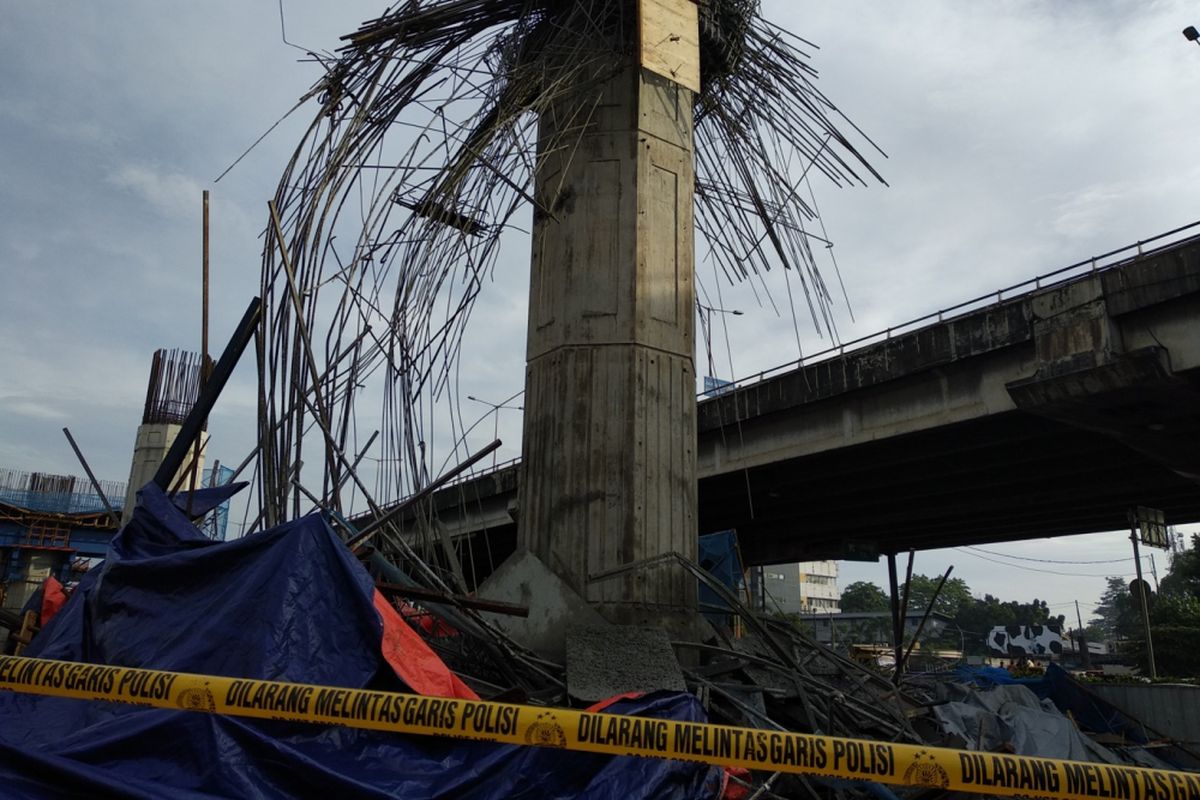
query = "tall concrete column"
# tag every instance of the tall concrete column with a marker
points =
(153, 442)
(174, 386)
(609, 451)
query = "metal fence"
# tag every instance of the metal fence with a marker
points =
(61, 494)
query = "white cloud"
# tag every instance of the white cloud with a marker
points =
(34, 407)
(170, 194)
(1088, 211)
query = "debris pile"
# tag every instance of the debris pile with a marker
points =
(315, 595)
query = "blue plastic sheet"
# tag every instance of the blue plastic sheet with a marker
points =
(289, 604)
(986, 677)
(718, 553)
(202, 501)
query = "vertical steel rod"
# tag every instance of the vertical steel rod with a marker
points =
(924, 617)
(204, 295)
(193, 425)
(195, 479)
(897, 623)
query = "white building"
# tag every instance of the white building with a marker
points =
(805, 587)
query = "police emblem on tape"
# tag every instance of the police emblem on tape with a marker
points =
(546, 732)
(925, 771)
(196, 700)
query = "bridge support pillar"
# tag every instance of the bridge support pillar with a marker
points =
(608, 476)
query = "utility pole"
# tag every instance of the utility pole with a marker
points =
(1144, 599)
(1085, 657)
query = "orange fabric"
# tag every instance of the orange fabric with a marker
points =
(427, 622)
(603, 704)
(731, 790)
(413, 660)
(53, 599)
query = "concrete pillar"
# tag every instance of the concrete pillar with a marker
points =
(153, 442)
(609, 451)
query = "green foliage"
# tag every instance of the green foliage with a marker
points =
(972, 618)
(1176, 610)
(1174, 616)
(1116, 615)
(864, 596)
(954, 595)
(1183, 575)
(978, 618)
(1176, 650)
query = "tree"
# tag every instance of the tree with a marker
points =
(1116, 614)
(864, 596)
(973, 618)
(1175, 617)
(1183, 574)
(954, 595)
(977, 618)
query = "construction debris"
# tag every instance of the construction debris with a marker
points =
(750, 670)
(618, 660)
(320, 596)
(554, 607)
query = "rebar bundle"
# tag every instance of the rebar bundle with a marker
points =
(416, 168)
(175, 380)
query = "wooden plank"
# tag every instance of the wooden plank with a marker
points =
(669, 32)
(25, 635)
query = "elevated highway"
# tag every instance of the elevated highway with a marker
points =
(1047, 409)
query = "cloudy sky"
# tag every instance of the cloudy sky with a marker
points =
(1020, 137)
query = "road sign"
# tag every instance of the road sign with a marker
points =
(1138, 589)
(1151, 526)
(715, 386)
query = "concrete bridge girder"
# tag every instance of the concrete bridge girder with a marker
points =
(1043, 415)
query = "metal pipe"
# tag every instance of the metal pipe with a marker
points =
(924, 617)
(95, 483)
(897, 625)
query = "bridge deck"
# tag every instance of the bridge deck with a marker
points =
(1047, 414)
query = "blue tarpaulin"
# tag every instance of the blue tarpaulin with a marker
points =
(290, 604)
(986, 677)
(718, 553)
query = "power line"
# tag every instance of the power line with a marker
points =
(1046, 571)
(1048, 560)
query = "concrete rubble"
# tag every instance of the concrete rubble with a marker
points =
(764, 672)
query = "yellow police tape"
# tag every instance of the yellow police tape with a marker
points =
(723, 745)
